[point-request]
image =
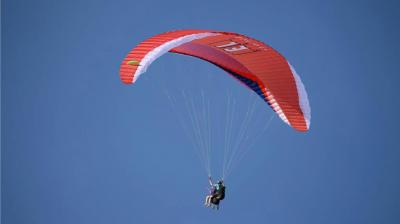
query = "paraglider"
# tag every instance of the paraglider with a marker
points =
(255, 64)
(258, 66)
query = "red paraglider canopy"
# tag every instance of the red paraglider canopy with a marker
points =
(255, 64)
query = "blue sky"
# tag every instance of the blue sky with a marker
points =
(78, 146)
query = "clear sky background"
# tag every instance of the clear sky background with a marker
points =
(78, 146)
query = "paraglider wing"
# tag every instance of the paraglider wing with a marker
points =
(255, 64)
